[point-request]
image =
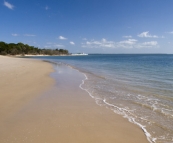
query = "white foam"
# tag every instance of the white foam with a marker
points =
(83, 81)
(132, 120)
(121, 112)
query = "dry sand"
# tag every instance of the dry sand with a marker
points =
(20, 81)
(63, 114)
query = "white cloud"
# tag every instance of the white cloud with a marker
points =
(58, 46)
(8, 5)
(127, 36)
(72, 43)
(99, 44)
(170, 32)
(84, 39)
(127, 44)
(147, 35)
(14, 35)
(151, 43)
(29, 35)
(46, 8)
(62, 38)
(129, 41)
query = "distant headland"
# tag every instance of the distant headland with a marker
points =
(25, 49)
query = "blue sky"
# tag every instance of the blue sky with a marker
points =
(90, 26)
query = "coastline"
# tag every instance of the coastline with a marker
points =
(66, 113)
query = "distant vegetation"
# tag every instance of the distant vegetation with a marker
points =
(24, 49)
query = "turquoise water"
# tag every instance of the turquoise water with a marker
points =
(138, 87)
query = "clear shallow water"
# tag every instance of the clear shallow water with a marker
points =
(138, 87)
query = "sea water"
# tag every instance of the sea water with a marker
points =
(137, 86)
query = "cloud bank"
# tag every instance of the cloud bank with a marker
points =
(170, 32)
(127, 44)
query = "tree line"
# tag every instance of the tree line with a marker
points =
(25, 49)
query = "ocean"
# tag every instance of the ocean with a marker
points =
(137, 86)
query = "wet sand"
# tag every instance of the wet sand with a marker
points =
(63, 114)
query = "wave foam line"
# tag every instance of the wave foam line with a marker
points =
(130, 119)
(83, 81)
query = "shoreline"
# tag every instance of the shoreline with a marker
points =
(147, 134)
(66, 113)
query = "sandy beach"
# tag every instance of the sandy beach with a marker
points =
(21, 80)
(38, 105)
